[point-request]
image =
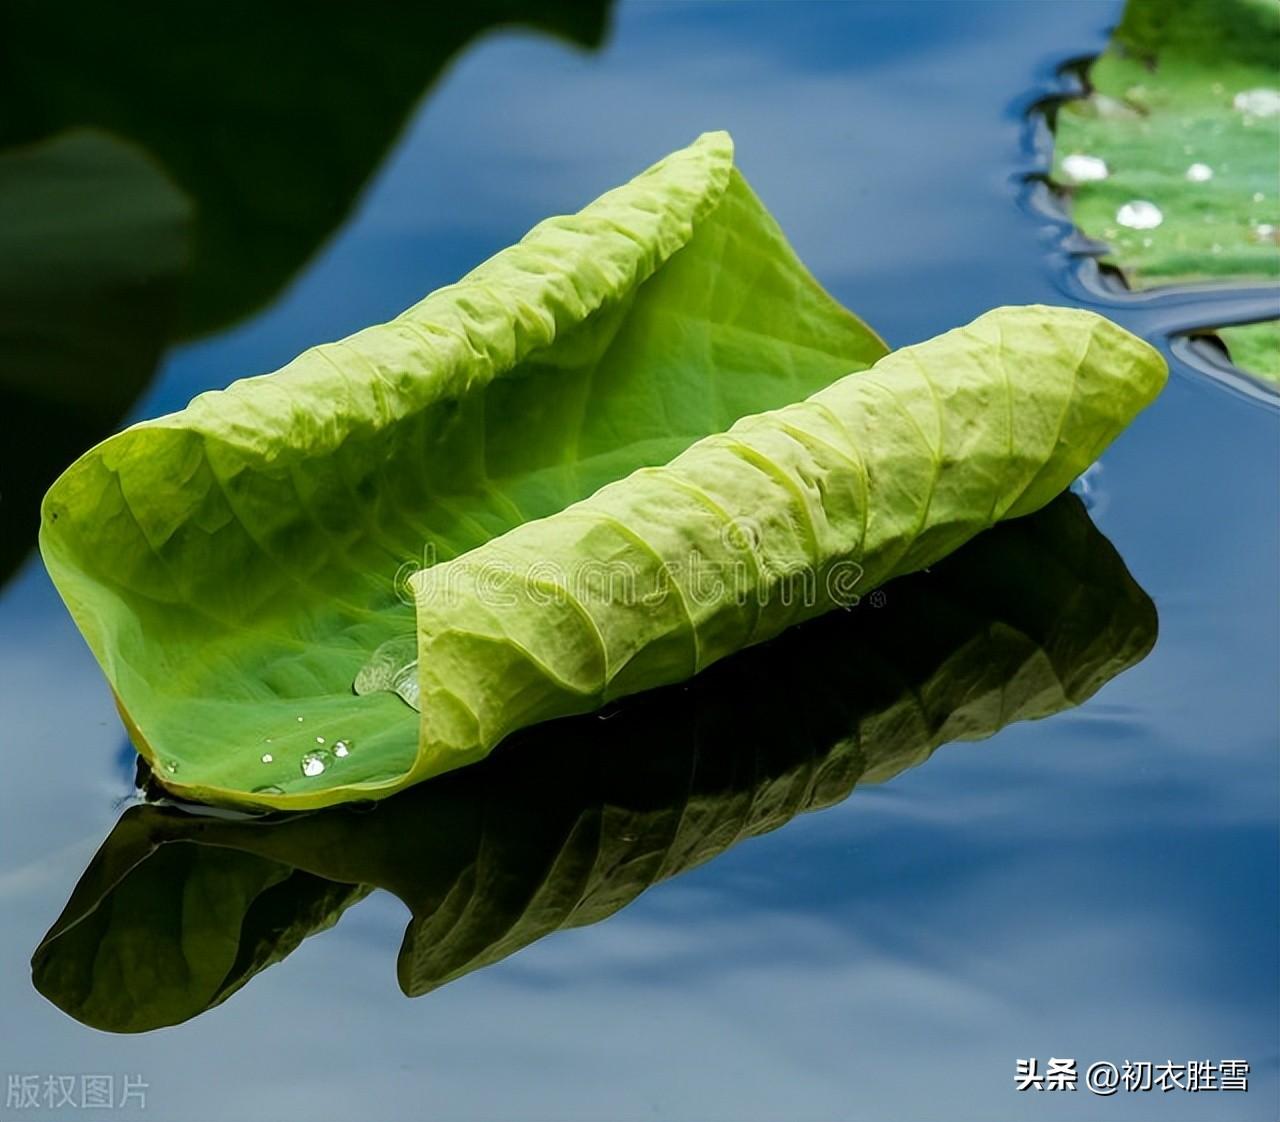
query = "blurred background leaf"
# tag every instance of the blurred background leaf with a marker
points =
(93, 243)
(167, 169)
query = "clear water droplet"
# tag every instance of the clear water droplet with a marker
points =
(1140, 215)
(171, 766)
(1258, 196)
(1080, 168)
(315, 763)
(1264, 231)
(1261, 102)
(392, 667)
(319, 739)
(267, 757)
(270, 789)
(342, 749)
(1199, 173)
(1088, 486)
(299, 720)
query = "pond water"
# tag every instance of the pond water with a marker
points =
(1101, 884)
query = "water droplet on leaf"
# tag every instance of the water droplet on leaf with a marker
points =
(1199, 173)
(1140, 215)
(392, 667)
(1261, 102)
(267, 757)
(342, 749)
(1085, 169)
(315, 763)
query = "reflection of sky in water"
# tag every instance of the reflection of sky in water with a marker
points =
(1100, 885)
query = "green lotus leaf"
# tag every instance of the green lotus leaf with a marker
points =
(574, 819)
(239, 567)
(1184, 115)
(1254, 347)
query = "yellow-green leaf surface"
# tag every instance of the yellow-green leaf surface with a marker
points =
(234, 565)
(575, 819)
(783, 517)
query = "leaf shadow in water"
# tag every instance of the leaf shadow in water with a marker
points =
(570, 821)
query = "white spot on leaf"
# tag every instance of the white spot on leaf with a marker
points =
(1261, 102)
(1080, 168)
(1140, 215)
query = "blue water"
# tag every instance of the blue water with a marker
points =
(1103, 884)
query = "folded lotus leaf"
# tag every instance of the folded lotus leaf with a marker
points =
(789, 513)
(235, 567)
